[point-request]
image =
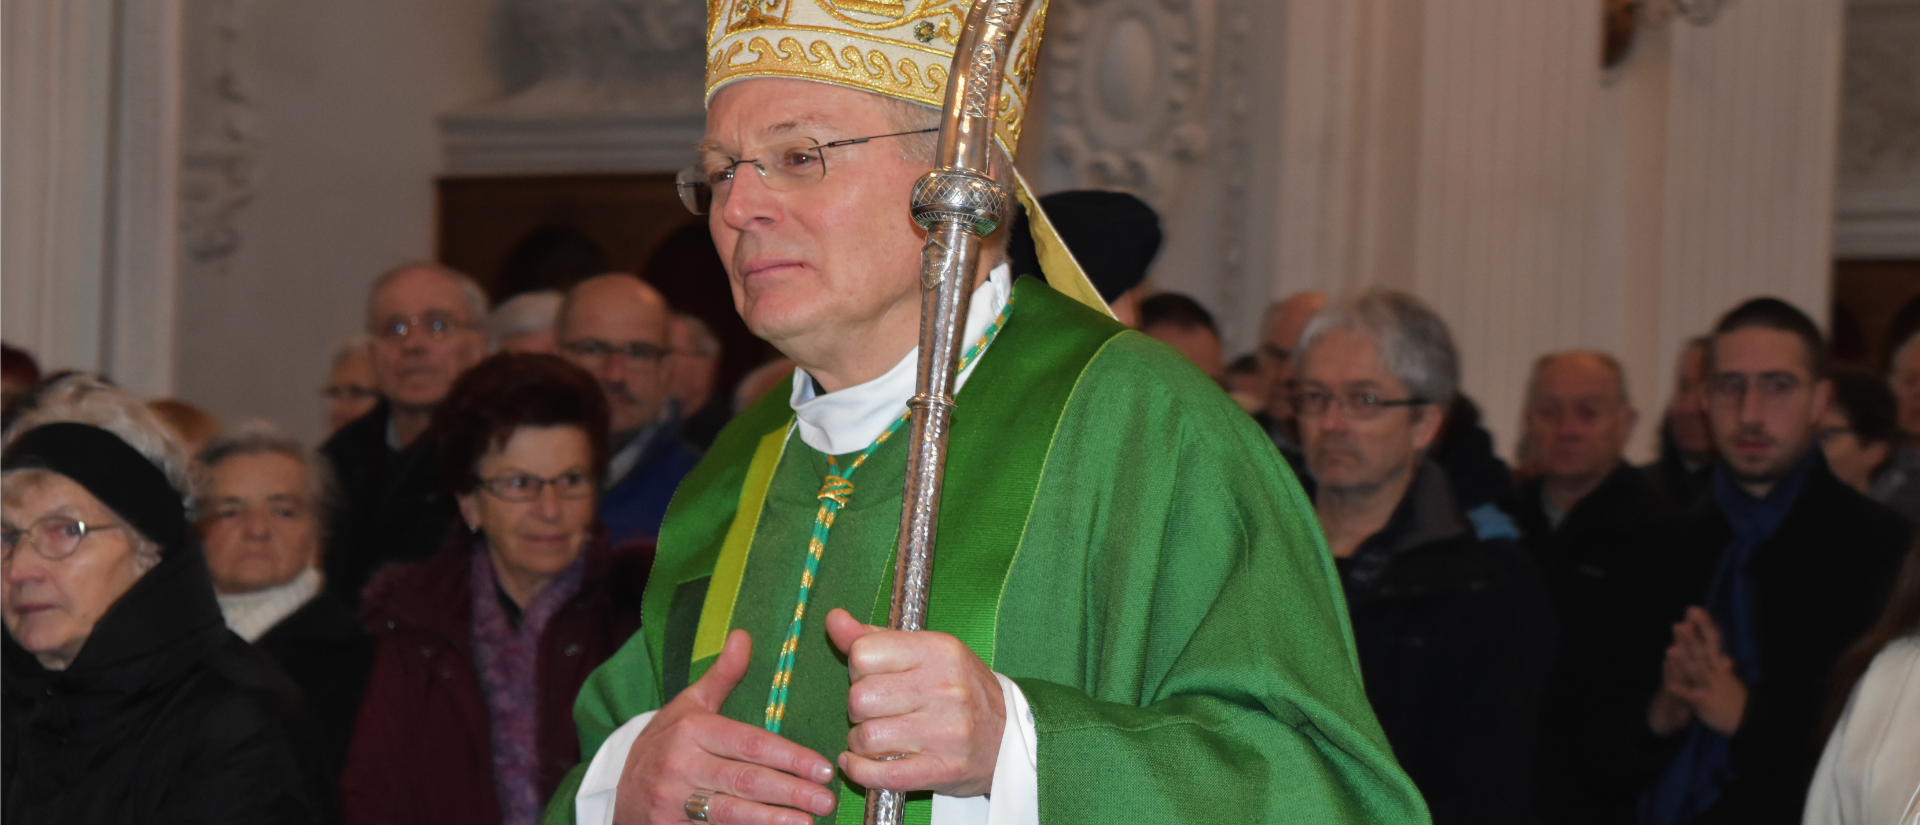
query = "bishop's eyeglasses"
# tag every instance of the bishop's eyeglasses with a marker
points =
(784, 167)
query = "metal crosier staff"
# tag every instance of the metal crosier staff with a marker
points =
(958, 205)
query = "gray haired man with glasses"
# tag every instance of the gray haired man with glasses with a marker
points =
(1455, 634)
(424, 324)
(615, 326)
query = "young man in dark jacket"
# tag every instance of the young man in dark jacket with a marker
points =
(1780, 567)
(1455, 635)
(1593, 524)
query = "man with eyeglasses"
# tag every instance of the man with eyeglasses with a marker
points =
(423, 322)
(1279, 331)
(1593, 525)
(1131, 616)
(1779, 568)
(1455, 635)
(615, 327)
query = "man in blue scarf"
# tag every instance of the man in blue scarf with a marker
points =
(1781, 567)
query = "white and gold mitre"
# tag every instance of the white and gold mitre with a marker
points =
(898, 48)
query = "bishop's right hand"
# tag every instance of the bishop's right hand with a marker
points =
(754, 777)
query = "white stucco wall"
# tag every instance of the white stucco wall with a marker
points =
(324, 149)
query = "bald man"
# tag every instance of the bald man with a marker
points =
(615, 326)
(1590, 521)
(1279, 331)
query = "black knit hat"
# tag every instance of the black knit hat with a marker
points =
(1113, 235)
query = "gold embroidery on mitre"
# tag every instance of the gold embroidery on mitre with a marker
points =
(755, 14)
(954, 12)
(871, 71)
(898, 48)
(895, 9)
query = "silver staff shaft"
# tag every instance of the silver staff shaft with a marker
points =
(958, 205)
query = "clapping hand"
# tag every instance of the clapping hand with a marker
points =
(1699, 680)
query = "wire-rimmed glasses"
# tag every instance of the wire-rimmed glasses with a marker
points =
(525, 487)
(595, 351)
(784, 167)
(1360, 406)
(435, 325)
(55, 538)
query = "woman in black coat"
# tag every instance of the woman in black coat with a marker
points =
(126, 699)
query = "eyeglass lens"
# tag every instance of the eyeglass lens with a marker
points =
(1731, 388)
(435, 325)
(55, 537)
(1361, 406)
(784, 167)
(524, 488)
(596, 350)
(794, 164)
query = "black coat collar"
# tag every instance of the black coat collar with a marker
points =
(160, 627)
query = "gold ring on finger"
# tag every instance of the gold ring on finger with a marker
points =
(697, 806)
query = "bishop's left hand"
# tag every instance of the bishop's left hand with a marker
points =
(925, 695)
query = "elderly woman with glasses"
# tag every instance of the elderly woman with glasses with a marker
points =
(126, 698)
(468, 715)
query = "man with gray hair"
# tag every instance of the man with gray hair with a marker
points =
(425, 320)
(524, 323)
(1591, 522)
(1454, 633)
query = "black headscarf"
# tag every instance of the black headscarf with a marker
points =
(113, 471)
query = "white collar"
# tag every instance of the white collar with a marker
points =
(251, 615)
(848, 420)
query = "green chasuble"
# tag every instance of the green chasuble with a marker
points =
(1115, 535)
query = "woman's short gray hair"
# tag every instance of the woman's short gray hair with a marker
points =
(85, 399)
(1414, 343)
(261, 437)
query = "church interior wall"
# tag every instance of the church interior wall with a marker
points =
(1475, 153)
(311, 154)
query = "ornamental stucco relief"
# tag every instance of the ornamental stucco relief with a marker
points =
(1127, 83)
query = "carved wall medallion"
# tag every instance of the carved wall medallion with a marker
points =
(1880, 110)
(1126, 88)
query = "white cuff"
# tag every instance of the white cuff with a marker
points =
(593, 805)
(1015, 798)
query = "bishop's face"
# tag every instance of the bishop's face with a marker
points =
(828, 269)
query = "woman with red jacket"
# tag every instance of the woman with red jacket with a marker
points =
(482, 648)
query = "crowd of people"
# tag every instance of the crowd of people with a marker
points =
(1723, 635)
(1584, 640)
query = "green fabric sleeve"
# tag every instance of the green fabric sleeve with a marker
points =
(1205, 671)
